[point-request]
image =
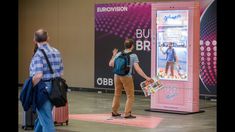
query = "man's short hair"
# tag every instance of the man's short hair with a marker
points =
(40, 35)
(128, 43)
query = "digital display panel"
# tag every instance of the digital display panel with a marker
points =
(172, 44)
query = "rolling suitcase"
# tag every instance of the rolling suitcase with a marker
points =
(60, 115)
(28, 119)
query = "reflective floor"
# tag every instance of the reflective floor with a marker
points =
(89, 112)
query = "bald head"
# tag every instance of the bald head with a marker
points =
(40, 36)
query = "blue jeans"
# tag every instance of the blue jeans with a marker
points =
(44, 121)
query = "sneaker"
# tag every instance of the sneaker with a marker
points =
(130, 117)
(114, 115)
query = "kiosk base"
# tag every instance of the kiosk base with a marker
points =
(173, 111)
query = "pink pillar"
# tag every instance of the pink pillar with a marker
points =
(177, 22)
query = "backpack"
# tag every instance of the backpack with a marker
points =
(122, 64)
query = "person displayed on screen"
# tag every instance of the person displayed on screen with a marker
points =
(39, 71)
(125, 81)
(171, 59)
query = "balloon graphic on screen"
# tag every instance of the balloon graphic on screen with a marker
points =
(208, 49)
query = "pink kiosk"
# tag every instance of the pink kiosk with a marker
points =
(178, 23)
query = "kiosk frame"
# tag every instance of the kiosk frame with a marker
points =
(179, 95)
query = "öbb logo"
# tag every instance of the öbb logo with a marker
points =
(104, 81)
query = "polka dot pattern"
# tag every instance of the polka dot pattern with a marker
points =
(124, 24)
(208, 48)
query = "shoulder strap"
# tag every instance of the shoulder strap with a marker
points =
(167, 53)
(129, 61)
(167, 50)
(174, 54)
(44, 53)
(128, 56)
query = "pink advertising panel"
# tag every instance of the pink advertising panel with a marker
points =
(175, 31)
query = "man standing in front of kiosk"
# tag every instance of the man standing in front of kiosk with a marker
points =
(126, 81)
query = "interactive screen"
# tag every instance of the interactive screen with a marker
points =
(172, 44)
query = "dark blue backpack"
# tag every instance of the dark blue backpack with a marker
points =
(122, 64)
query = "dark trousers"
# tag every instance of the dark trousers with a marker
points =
(171, 65)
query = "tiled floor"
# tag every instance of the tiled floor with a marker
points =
(89, 112)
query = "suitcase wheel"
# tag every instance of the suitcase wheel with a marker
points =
(25, 128)
(67, 122)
